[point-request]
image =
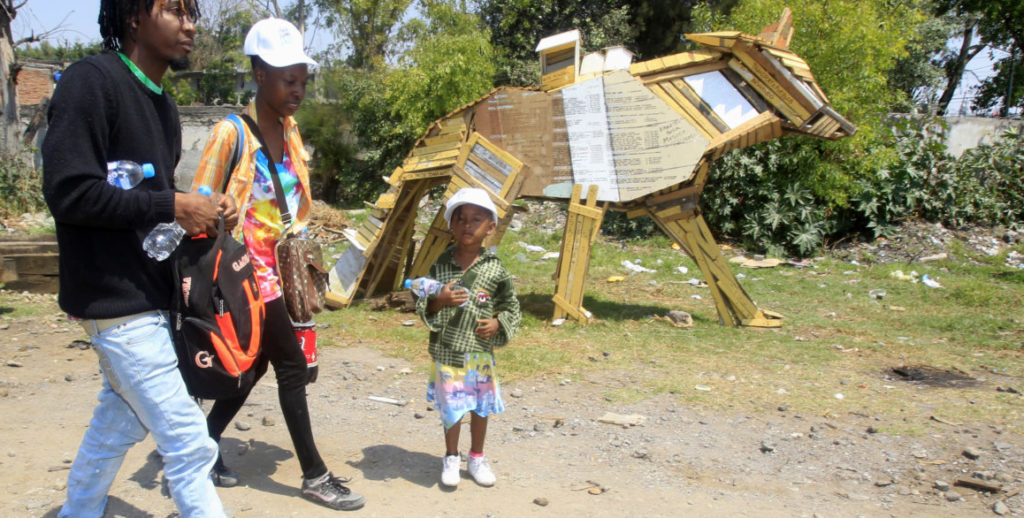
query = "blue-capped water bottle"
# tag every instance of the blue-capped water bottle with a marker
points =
(164, 237)
(424, 286)
(127, 174)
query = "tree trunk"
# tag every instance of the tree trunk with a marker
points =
(10, 124)
(956, 65)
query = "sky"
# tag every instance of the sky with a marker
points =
(76, 20)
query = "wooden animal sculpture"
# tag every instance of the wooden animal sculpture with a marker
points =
(603, 134)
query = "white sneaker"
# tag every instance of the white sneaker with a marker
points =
(450, 473)
(480, 469)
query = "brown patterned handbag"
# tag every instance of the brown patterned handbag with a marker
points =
(300, 262)
(300, 265)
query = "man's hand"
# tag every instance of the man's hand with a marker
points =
(195, 213)
(227, 207)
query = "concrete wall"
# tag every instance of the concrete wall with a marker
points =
(970, 132)
(196, 123)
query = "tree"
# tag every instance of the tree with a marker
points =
(10, 144)
(919, 74)
(517, 26)
(365, 26)
(450, 63)
(998, 24)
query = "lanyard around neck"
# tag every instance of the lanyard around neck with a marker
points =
(142, 77)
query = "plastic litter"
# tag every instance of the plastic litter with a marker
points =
(636, 268)
(928, 281)
(532, 248)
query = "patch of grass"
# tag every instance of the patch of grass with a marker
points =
(834, 354)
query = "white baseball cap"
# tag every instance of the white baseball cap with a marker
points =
(473, 196)
(277, 42)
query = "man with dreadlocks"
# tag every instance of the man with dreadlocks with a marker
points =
(105, 108)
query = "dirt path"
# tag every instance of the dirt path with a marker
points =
(547, 448)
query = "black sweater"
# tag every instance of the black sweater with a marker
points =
(101, 112)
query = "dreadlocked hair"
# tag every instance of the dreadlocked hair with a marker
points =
(116, 15)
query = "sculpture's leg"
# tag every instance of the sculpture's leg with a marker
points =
(581, 227)
(386, 257)
(734, 306)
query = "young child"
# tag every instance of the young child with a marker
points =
(463, 337)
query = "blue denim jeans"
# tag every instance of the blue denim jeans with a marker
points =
(143, 392)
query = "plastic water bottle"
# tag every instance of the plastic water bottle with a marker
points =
(427, 287)
(127, 174)
(424, 286)
(164, 237)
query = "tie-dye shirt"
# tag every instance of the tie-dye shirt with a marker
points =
(262, 225)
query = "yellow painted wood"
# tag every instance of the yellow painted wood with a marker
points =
(582, 224)
(447, 156)
(773, 79)
(386, 201)
(559, 78)
(431, 148)
(731, 301)
(780, 103)
(672, 63)
(396, 176)
(438, 173)
(677, 73)
(723, 39)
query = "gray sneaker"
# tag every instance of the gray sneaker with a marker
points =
(328, 491)
(224, 476)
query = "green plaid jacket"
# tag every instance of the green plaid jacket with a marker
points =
(492, 295)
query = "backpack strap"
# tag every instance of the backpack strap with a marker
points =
(239, 140)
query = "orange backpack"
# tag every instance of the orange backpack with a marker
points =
(218, 316)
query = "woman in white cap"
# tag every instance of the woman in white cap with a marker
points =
(280, 70)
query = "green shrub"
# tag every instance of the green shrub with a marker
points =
(21, 187)
(996, 173)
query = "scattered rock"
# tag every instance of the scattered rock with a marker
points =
(242, 426)
(941, 485)
(972, 453)
(269, 421)
(541, 501)
(680, 317)
(624, 421)
(1000, 508)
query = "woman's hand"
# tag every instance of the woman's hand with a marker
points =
(226, 206)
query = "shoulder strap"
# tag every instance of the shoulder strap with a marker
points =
(282, 204)
(239, 136)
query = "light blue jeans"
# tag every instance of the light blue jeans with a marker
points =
(143, 391)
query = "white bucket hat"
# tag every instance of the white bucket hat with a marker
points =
(277, 42)
(473, 196)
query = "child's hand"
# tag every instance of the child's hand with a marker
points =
(487, 327)
(448, 297)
